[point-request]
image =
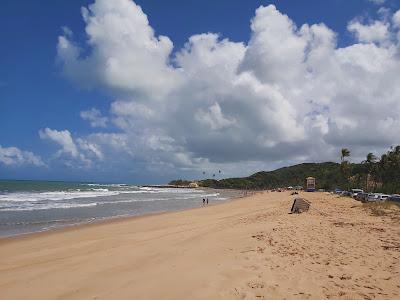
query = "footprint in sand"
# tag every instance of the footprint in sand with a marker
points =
(252, 267)
(345, 277)
(255, 285)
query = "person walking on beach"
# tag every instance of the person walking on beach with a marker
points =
(204, 201)
(207, 200)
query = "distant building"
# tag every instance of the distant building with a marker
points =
(310, 184)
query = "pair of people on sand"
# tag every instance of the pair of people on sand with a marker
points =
(205, 201)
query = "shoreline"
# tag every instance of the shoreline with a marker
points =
(245, 248)
(108, 220)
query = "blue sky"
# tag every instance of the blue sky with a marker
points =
(37, 92)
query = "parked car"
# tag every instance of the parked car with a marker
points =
(355, 192)
(394, 197)
(346, 193)
(363, 197)
(377, 197)
(383, 197)
(338, 191)
(372, 197)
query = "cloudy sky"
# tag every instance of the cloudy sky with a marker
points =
(147, 91)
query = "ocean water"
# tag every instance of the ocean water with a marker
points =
(31, 206)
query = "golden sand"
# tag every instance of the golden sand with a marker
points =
(249, 248)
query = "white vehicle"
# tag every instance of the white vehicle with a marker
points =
(383, 197)
(377, 197)
(372, 197)
(354, 192)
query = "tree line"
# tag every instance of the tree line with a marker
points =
(373, 174)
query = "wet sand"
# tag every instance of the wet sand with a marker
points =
(248, 248)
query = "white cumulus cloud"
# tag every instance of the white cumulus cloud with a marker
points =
(62, 138)
(94, 117)
(126, 54)
(396, 19)
(288, 94)
(376, 32)
(13, 156)
(75, 153)
(214, 118)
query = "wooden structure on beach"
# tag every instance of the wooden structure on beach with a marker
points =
(310, 184)
(300, 205)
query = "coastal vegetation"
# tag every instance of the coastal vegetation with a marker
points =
(180, 182)
(328, 176)
(372, 174)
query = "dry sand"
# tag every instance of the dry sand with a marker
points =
(249, 248)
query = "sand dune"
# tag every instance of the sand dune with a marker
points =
(249, 248)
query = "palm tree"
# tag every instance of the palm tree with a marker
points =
(371, 158)
(345, 166)
(344, 153)
(388, 170)
(369, 162)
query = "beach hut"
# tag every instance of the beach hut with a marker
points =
(310, 184)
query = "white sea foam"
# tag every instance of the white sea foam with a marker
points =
(96, 192)
(55, 196)
(106, 184)
(23, 210)
(171, 190)
(29, 201)
(44, 206)
(100, 190)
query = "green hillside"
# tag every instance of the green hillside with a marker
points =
(328, 176)
(373, 174)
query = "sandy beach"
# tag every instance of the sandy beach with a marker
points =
(249, 248)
